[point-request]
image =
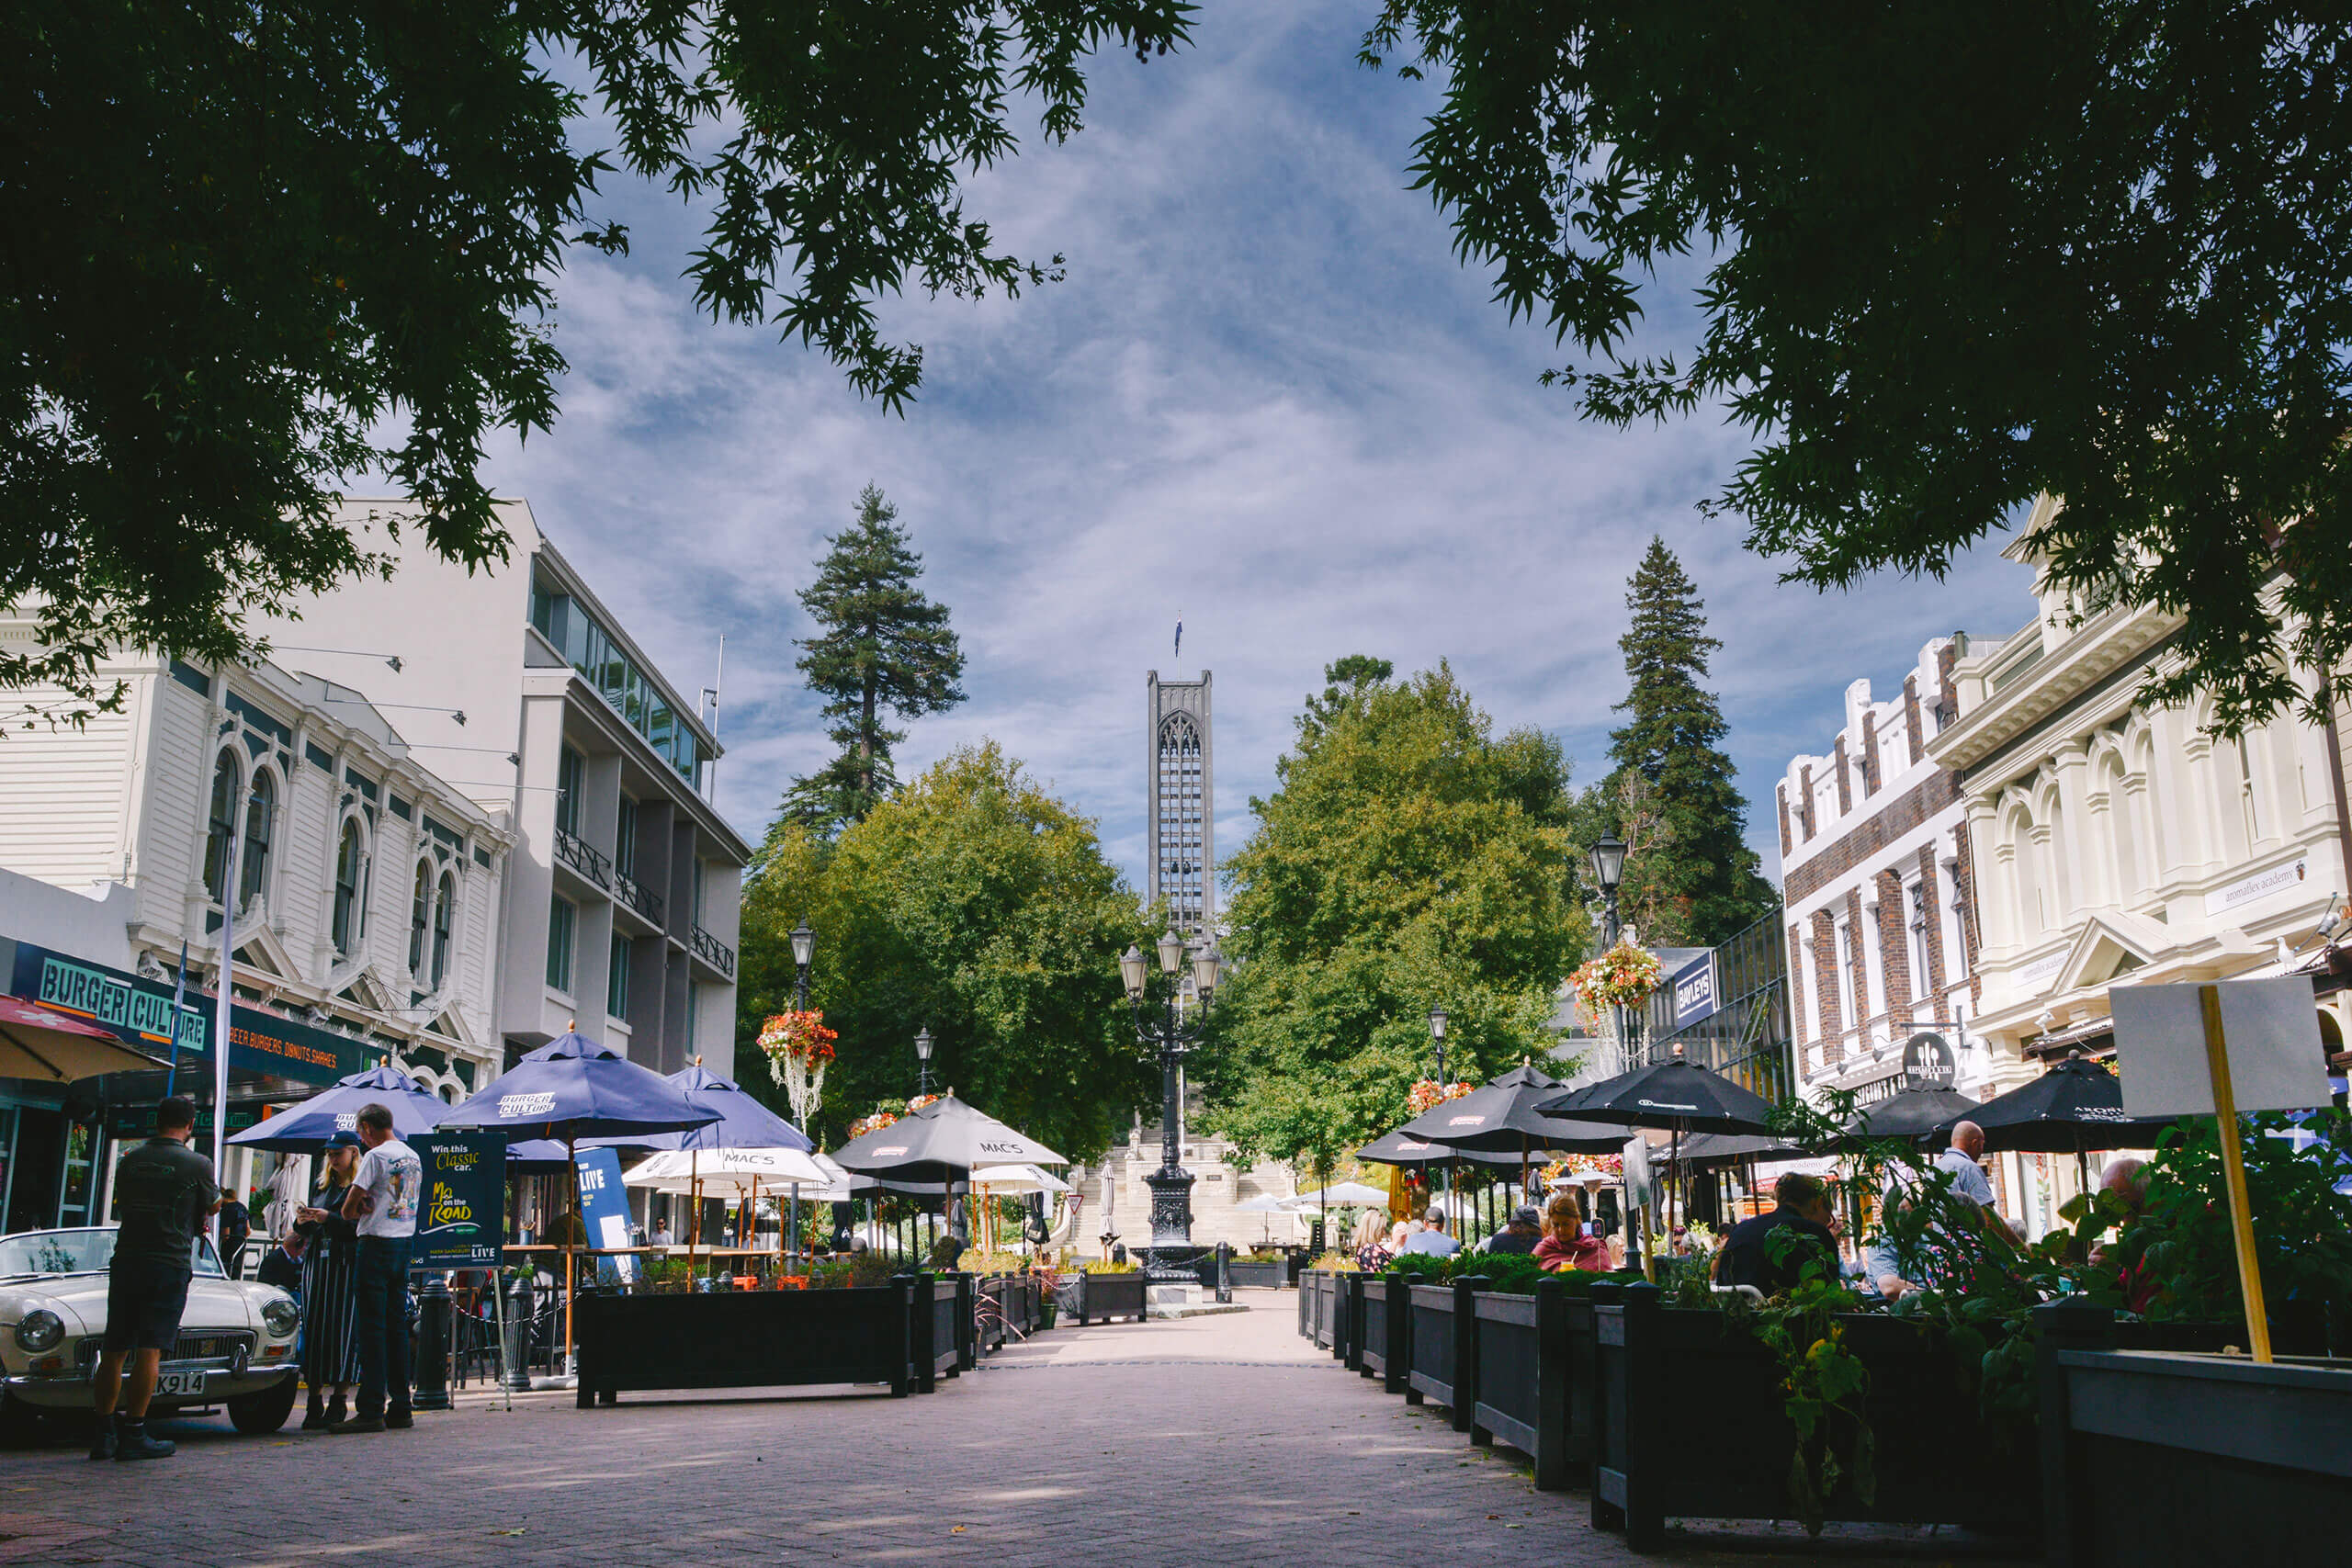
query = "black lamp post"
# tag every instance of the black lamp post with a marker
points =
(922, 1060)
(1437, 1036)
(1608, 869)
(1170, 1032)
(803, 947)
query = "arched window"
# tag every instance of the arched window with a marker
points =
(350, 888)
(445, 914)
(420, 902)
(1182, 853)
(261, 814)
(221, 827)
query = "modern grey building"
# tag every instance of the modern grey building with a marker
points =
(1180, 801)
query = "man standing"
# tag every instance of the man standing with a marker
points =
(382, 1204)
(1968, 1178)
(164, 1191)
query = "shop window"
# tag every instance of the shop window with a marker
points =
(419, 912)
(261, 817)
(221, 825)
(350, 885)
(445, 913)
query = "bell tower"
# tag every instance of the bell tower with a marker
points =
(1180, 802)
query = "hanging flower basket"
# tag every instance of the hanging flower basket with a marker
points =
(1429, 1092)
(1612, 1166)
(873, 1123)
(1623, 976)
(919, 1101)
(798, 1048)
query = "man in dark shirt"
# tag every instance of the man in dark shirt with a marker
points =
(1769, 1251)
(164, 1191)
(1526, 1228)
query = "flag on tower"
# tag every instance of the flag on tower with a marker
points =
(1180, 639)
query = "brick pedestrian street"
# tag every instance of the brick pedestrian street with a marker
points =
(1221, 1439)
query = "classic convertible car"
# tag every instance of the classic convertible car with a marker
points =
(236, 1349)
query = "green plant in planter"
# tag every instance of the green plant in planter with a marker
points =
(1112, 1268)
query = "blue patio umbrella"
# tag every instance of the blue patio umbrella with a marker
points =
(743, 1122)
(571, 1087)
(302, 1129)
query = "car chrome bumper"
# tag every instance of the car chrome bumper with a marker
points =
(71, 1390)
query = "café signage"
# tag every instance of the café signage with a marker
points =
(1694, 990)
(465, 1198)
(1927, 1062)
(139, 1011)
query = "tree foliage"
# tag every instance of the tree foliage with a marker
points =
(1690, 878)
(1409, 859)
(974, 904)
(885, 646)
(257, 247)
(1959, 255)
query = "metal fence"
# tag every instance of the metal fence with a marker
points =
(1747, 1036)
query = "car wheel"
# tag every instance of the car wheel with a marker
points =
(263, 1411)
(21, 1425)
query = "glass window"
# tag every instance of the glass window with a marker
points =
(563, 926)
(617, 978)
(624, 839)
(261, 813)
(350, 882)
(694, 1011)
(444, 915)
(419, 912)
(221, 827)
(571, 771)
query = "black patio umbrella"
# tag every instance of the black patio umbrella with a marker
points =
(1671, 1096)
(1400, 1147)
(1914, 1114)
(1733, 1149)
(2074, 1107)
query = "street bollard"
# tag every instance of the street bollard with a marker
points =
(433, 1314)
(1223, 1273)
(518, 1335)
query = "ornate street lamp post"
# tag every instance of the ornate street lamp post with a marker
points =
(922, 1060)
(803, 947)
(1608, 870)
(1167, 1028)
(1437, 1037)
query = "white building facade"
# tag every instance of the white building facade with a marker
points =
(2114, 840)
(366, 894)
(1877, 891)
(623, 891)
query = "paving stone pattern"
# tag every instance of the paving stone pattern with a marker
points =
(1211, 1442)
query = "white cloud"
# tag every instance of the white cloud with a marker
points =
(1266, 399)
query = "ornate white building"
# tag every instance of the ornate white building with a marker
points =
(2114, 840)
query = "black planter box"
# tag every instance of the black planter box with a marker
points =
(753, 1340)
(1106, 1296)
(1521, 1369)
(1258, 1273)
(1689, 1423)
(2153, 1458)
(950, 1320)
(1444, 1348)
(1384, 1320)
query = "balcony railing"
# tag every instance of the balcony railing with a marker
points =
(1881, 1038)
(715, 953)
(584, 858)
(638, 897)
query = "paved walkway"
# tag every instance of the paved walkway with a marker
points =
(1213, 1441)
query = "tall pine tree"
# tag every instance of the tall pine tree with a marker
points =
(884, 647)
(1692, 877)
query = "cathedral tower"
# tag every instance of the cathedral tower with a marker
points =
(1180, 802)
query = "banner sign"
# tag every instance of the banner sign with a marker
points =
(604, 1206)
(463, 1221)
(1694, 990)
(139, 1011)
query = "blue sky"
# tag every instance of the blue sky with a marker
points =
(1266, 399)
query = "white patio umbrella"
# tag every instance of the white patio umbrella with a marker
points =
(675, 1171)
(1017, 1180)
(1349, 1193)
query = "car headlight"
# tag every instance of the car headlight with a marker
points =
(40, 1330)
(281, 1315)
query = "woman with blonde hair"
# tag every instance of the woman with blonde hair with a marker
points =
(1565, 1246)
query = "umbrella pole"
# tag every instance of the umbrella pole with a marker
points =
(570, 1240)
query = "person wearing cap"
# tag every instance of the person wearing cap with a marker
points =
(1526, 1229)
(330, 1290)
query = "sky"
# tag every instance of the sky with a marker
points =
(1267, 401)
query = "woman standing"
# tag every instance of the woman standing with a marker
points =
(330, 1269)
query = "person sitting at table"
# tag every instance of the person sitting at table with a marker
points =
(1771, 1251)
(1565, 1245)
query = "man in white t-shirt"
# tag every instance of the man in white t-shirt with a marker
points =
(385, 1193)
(1968, 1178)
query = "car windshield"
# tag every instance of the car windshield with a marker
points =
(77, 1252)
